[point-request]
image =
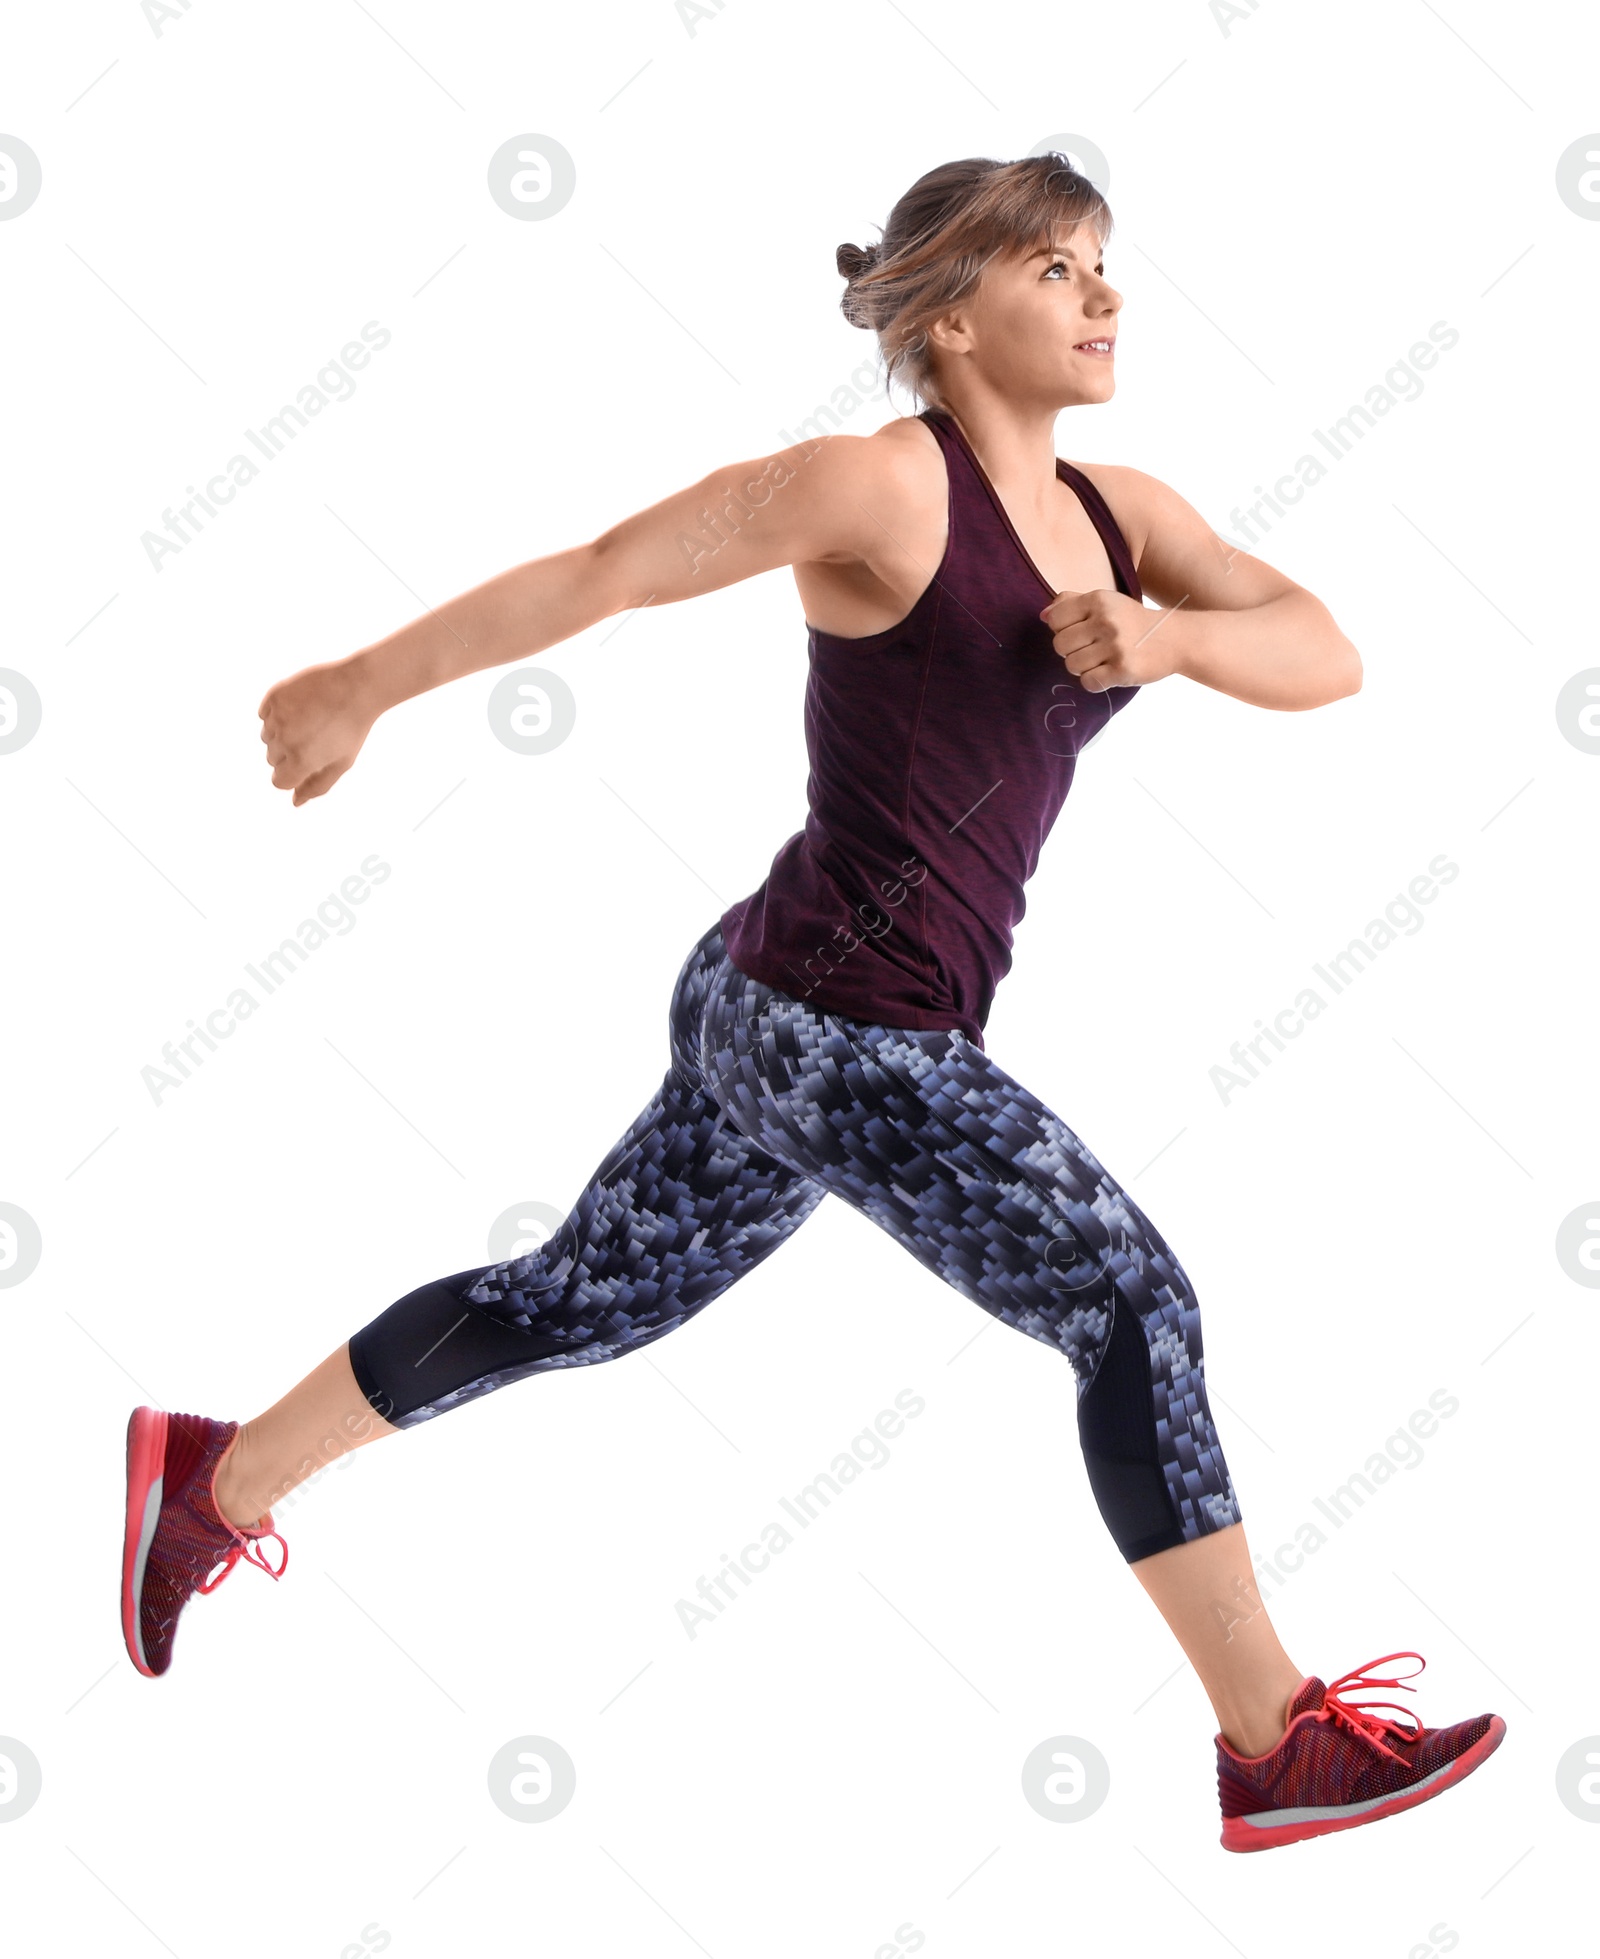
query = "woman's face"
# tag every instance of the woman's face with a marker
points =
(1031, 327)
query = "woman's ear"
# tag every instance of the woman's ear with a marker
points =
(951, 332)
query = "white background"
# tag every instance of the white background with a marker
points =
(832, 1766)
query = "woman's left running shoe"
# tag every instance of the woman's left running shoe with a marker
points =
(174, 1537)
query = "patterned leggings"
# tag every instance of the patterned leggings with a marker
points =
(768, 1106)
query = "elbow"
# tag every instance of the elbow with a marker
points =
(611, 574)
(1338, 667)
(1331, 679)
(1348, 674)
(1338, 663)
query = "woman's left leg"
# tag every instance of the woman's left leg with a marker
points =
(682, 1207)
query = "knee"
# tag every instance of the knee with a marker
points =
(1144, 1269)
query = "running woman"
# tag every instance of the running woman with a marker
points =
(976, 615)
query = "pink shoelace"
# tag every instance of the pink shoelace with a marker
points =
(1359, 1717)
(248, 1549)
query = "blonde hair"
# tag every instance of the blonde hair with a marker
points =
(941, 234)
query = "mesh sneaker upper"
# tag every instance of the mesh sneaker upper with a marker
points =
(191, 1537)
(1329, 1761)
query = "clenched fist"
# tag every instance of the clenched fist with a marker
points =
(314, 724)
(1110, 640)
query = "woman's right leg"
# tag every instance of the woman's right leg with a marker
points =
(926, 1136)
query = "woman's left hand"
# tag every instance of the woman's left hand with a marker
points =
(1107, 639)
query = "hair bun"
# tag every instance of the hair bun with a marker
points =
(855, 260)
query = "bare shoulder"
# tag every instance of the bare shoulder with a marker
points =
(1176, 552)
(892, 480)
(903, 454)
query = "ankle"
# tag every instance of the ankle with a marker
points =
(1252, 1740)
(1257, 1728)
(228, 1486)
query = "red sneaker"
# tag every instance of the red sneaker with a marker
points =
(1338, 1764)
(174, 1537)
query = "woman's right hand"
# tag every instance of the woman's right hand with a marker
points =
(314, 724)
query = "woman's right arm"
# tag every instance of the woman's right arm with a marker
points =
(831, 501)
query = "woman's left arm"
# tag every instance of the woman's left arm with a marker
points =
(1228, 620)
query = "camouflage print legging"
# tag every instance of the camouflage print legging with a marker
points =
(768, 1106)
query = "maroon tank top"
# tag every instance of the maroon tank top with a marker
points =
(941, 751)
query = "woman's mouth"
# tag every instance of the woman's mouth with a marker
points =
(1096, 349)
